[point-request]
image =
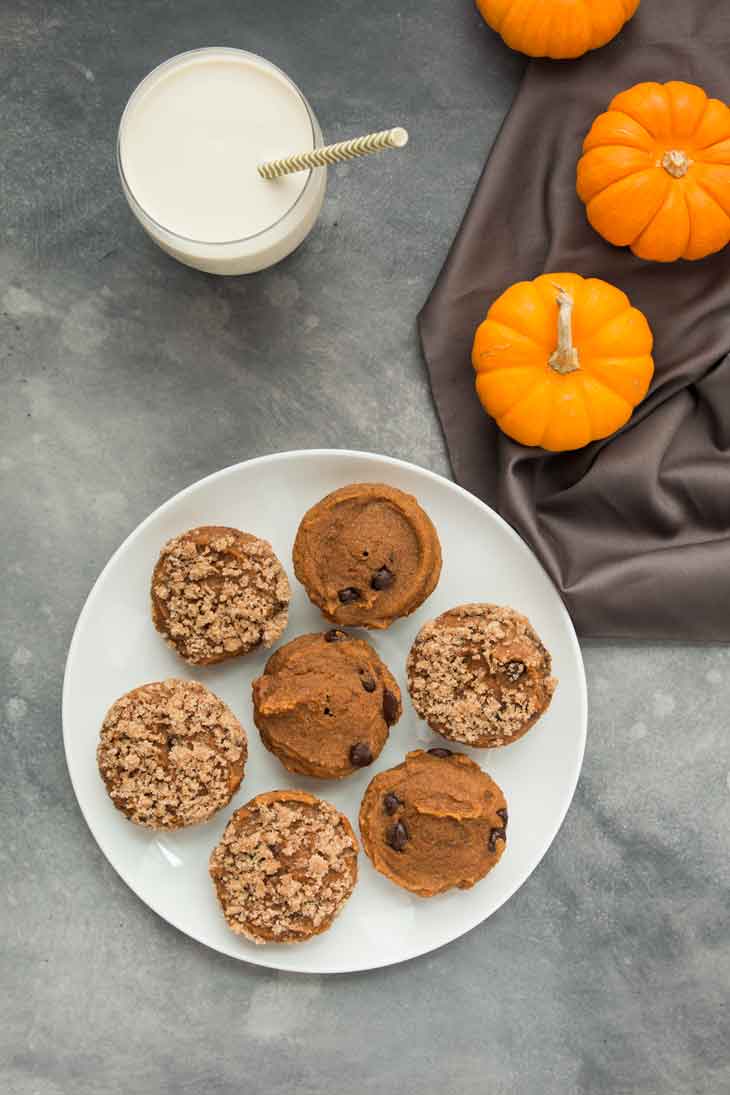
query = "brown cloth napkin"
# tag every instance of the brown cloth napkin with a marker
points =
(635, 530)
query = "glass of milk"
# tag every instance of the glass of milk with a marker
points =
(190, 140)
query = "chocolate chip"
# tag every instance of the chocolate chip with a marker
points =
(503, 814)
(391, 803)
(347, 596)
(334, 635)
(439, 752)
(494, 836)
(390, 707)
(397, 836)
(368, 684)
(360, 755)
(382, 578)
(514, 670)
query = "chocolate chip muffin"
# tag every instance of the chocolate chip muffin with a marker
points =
(218, 593)
(284, 868)
(171, 754)
(479, 674)
(435, 822)
(325, 703)
(367, 554)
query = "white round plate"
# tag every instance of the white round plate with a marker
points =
(115, 647)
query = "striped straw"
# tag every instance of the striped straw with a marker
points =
(335, 153)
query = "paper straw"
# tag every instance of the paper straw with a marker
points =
(335, 153)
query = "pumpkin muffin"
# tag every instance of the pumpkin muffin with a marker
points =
(435, 822)
(218, 593)
(366, 555)
(325, 703)
(171, 754)
(284, 868)
(480, 675)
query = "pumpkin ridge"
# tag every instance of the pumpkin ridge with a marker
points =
(671, 194)
(625, 110)
(508, 369)
(546, 388)
(617, 417)
(689, 218)
(588, 9)
(588, 345)
(665, 195)
(608, 143)
(551, 394)
(579, 387)
(634, 119)
(628, 108)
(582, 9)
(497, 21)
(700, 153)
(698, 183)
(583, 343)
(650, 166)
(673, 112)
(625, 365)
(509, 329)
(519, 396)
(619, 182)
(599, 380)
(612, 121)
(515, 21)
(712, 104)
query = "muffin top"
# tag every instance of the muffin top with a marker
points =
(218, 593)
(480, 675)
(171, 753)
(367, 554)
(434, 822)
(324, 704)
(285, 866)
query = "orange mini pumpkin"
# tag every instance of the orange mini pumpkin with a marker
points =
(560, 29)
(562, 361)
(655, 174)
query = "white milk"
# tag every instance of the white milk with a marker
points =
(190, 140)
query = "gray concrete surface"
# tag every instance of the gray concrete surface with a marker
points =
(125, 377)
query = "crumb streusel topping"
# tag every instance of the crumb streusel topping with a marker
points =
(285, 866)
(218, 593)
(479, 674)
(171, 753)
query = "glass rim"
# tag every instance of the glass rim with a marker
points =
(129, 192)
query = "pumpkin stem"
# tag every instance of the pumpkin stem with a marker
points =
(676, 163)
(565, 358)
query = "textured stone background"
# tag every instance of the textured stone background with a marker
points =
(124, 378)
